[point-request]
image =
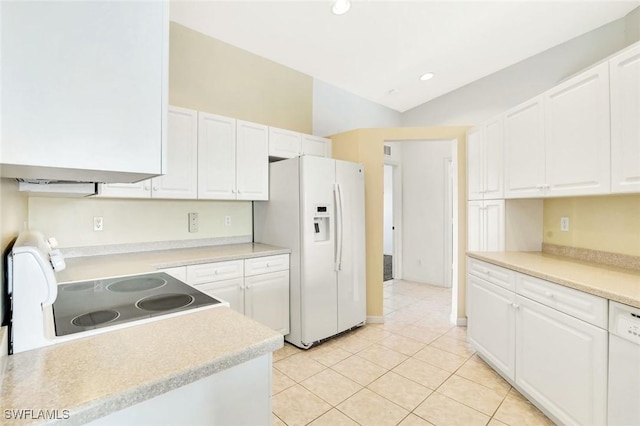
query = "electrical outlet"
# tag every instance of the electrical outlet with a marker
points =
(227, 221)
(98, 223)
(564, 224)
(193, 222)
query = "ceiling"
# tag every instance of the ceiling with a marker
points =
(379, 49)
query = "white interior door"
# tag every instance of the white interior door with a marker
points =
(351, 245)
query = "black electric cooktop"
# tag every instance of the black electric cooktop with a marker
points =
(87, 305)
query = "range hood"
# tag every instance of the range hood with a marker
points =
(58, 188)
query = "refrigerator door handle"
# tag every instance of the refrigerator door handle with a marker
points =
(339, 227)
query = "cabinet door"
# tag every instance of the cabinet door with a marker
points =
(126, 190)
(493, 165)
(475, 226)
(83, 86)
(284, 143)
(181, 178)
(216, 157)
(475, 180)
(625, 125)
(561, 363)
(494, 225)
(231, 291)
(492, 328)
(252, 161)
(524, 163)
(314, 145)
(577, 137)
(267, 300)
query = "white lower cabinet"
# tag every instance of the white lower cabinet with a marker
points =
(256, 287)
(561, 363)
(548, 349)
(231, 291)
(492, 323)
(266, 300)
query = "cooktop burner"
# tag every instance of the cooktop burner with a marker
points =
(94, 318)
(164, 302)
(136, 284)
(87, 305)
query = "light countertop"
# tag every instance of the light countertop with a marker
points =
(93, 267)
(618, 284)
(95, 376)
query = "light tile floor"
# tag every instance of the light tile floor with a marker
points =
(415, 369)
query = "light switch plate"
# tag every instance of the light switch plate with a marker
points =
(193, 222)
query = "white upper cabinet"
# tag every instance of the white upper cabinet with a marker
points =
(288, 144)
(625, 121)
(486, 225)
(284, 143)
(577, 135)
(181, 178)
(252, 161)
(484, 161)
(84, 90)
(474, 164)
(315, 145)
(493, 153)
(524, 165)
(216, 157)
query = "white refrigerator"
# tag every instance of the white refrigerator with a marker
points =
(316, 208)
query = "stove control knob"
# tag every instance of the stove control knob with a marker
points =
(53, 243)
(57, 260)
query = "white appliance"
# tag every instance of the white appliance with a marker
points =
(44, 312)
(624, 365)
(316, 208)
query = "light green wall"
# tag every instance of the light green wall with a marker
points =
(135, 221)
(607, 223)
(209, 75)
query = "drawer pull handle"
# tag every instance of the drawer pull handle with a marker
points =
(548, 294)
(515, 306)
(215, 272)
(488, 272)
(268, 264)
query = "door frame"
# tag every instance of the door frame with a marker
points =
(397, 217)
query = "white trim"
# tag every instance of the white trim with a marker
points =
(375, 319)
(455, 279)
(461, 322)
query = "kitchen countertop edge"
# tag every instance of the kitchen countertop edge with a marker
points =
(95, 410)
(596, 287)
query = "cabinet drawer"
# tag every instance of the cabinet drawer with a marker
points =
(494, 274)
(263, 265)
(218, 271)
(578, 304)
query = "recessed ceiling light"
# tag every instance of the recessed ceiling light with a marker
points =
(340, 7)
(427, 76)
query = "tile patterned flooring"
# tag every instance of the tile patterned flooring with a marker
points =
(415, 369)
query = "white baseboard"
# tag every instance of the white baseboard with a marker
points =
(461, 322)
(375, 320)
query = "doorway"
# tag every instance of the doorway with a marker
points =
(420, 219)
(388, 242)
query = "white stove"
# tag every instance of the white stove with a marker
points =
(44, 312)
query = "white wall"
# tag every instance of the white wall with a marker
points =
(388, 210)
(423, 221)
(507, 88)
(336, 111)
